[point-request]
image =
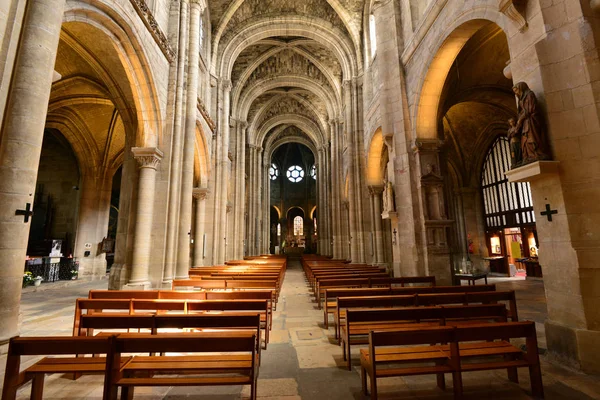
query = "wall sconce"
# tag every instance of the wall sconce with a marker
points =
(394, 237)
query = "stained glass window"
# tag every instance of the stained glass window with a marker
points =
(505, 204)
(273, 172)
(313, 172)
(298, 226)
(295, 173)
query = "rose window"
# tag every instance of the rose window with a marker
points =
(295, 173)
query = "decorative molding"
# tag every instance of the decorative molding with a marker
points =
(147, 157)
(200, 193)
(209, 121)
(509, 8)
(159, 37)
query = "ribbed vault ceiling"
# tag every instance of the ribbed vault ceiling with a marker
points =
(287, 61)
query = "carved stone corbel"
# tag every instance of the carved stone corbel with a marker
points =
(509, 8)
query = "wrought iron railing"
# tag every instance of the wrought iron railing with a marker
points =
(54, 272)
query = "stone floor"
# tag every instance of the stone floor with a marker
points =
(302, 361)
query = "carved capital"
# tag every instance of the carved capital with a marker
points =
(147, 157)
(376, 190)
(200, 193)
(226, 83)
(200, 3)
(427, 145)
(510, 8)
(377, 4)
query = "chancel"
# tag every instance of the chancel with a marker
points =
(285, 181)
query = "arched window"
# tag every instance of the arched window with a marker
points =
(505, 204)
(298, 226)
(372, 35)
(313, 172)
(295, 173)
(278, 229)
(273, 172)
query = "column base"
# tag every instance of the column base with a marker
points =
(138, 286)
(576, 348)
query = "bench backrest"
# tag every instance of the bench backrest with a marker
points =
(492, 311)
(181, 295)
(123, 294)
(376, 301)
(228, 305)
(404, 280)
(185, 343)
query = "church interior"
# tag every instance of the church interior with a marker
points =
(344, 199)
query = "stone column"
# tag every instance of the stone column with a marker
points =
(189, 141)
(200, 196)
(22, 134)
(224, 165)
(176, 148)
(376, 192)
(251, 200)
(148, 159)
(240, 190)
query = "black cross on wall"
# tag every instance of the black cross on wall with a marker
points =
(548, 213)
(26, 213)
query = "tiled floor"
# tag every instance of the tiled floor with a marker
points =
(302, 362)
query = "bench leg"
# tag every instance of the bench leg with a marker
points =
(441, 380)
(349, 356)
(513, 376)
(363, 375)
(253, 390)
(373, 387)
(535, 375)
(457, 384)
(325, 319)
(37, 387)
(127, 393)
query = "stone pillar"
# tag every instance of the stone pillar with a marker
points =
(21, 144)
(148, 159)
(176, 148)
(251, 201)
(200, 196)
(240, 190)
(376, 192)
(189, 145)
(224, 165)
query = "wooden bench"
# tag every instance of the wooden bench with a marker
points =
(360, 322)
(330, 295)
(388, 351)
(427, 299)
(35, 346)
(235, 364)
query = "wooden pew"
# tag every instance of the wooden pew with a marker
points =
(387, 350)
(330, 295)
(123, 294)
(236, 363)
(427, 299)
(35, 346)
(239, 307)
(359, 322)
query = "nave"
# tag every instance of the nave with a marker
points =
(303, 360)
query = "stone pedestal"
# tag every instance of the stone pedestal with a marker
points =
(571, 276)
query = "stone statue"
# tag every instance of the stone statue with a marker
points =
(530, 125)
(388, 196)
(514, 137)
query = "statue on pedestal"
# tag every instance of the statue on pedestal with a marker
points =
(530, 125)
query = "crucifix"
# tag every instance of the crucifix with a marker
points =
(548, 213)
(26, 213)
